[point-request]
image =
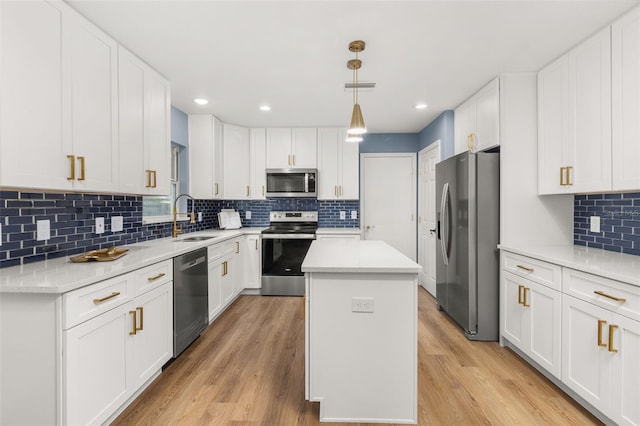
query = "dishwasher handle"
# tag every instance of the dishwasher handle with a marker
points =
(191, 264)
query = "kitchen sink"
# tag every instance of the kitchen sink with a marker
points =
(198, 238)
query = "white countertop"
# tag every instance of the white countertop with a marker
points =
(341, 231)
(61, 275)
(356, 257)
(608, 264)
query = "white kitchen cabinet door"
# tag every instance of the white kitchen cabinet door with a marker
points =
(258, 152)
(626, 380)
(152, 343)
(252, 262)
(625, 68)
(590, 113)
(350, 168)
(157, 105)
(90, 118)
(554, 154)
(226, 280)
(131, 129)
(32, 152)
(304, 148)
(95, 359)
(205, 157)
(586, 367)
(279, 148)
(328, 163)
(236, 169)
(238, 271)
(464, 125)
(215, 288)
(487, 133)
(532, 320)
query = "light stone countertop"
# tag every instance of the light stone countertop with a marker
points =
(61, 275)
(360, 256)
(343, 231)
(608, 264)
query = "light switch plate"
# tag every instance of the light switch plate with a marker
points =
(354, 214)
(247, 214)
(117, 223)
(99, 225)
(343, 215)
(594, 224)
(43, 228)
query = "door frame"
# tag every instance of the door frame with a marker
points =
(414, 185)
(436, 145)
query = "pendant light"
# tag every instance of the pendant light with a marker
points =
(357, 126)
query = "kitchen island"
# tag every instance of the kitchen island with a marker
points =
(361, 332)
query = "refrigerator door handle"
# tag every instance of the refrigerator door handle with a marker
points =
(444, 208)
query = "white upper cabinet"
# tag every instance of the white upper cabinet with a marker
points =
(338, 174)
(258, 152)
(574, 119)
(291, 148)
(625, 67)
(205, 157)
(144, 133)
(477, 121)
(52, 54)
(235, 149)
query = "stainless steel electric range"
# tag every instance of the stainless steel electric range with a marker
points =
(284, 246)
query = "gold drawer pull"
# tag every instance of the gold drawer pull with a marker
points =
(160, 275)
(81, 159)
(611, 330)
(134, 328)
(148, 185)
(524, 298)
(617, 299)
(141, 311)
(72, 170)
(600, 324)
(524, 268)
(520, 287)
(111, 296)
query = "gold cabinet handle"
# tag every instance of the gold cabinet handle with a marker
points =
(294, 159)
(81, 159)
(134, 328)
(600, 324)
(248, 191)
(562, 176)
(104, 299)
(155, 178)
(141, 312)
(263, 190)
(224, 268)
(72, 165)
(524, 268)
(617, 299)
(341, 190)
(469, 141)
(155, 277)
(611, 330)
(148, 172)
(524, 297)
(335, 190)
(568, 173)
(520, 287)
(256, 244)
(237, 247)
(216, 189)
(289, 159)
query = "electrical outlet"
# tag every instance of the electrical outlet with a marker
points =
(354, 214)
(199, 216)
(247, 214)
(99, 225)
(343, 215)
(363, 304)
(43, 230)
(117, 223)
(594, 224)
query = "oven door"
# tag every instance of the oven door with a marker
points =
(282, 257)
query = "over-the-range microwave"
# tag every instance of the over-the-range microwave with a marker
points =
(291, 182)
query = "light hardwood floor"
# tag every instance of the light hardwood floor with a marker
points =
(248, 369)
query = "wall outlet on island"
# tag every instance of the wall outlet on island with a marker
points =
(363, 304)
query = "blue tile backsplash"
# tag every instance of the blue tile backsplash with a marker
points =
(73, 216)
(619, 221)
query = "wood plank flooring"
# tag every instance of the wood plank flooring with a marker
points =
(248, 369)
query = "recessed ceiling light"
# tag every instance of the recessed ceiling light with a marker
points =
(421, 106)
(265, 108)
(201, 101)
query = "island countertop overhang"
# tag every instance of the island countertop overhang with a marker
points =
(362, 256)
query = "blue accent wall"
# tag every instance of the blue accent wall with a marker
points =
(441, 128)
(389, 142)
(619, 222)
(179, 127)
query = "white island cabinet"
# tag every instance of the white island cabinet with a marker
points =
(361, 332)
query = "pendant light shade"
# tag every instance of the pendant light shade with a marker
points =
(357, 126)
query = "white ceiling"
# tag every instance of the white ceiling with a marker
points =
(292, 54)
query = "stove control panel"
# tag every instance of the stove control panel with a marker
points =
(302, 216)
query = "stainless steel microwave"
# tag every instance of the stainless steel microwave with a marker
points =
(291, 182)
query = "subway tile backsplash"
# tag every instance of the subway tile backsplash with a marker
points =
(73, 215)
(619, 221)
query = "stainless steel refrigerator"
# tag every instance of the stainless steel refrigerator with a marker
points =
(468, 223)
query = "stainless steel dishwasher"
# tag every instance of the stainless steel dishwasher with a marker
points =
(190, 298)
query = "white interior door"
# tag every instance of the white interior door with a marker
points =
(388, 200)
(427, 159)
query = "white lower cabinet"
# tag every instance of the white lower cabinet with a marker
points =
(226, 275)
(531, 315)
(252, 262)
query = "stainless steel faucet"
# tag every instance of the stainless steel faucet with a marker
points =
(176, 230)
